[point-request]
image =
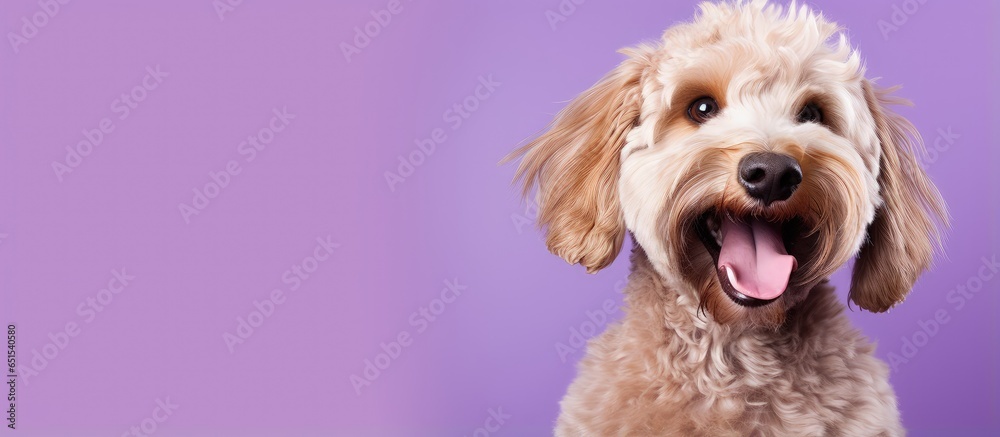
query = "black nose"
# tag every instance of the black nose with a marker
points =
(770, 176)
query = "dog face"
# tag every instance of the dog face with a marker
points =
(750, 158)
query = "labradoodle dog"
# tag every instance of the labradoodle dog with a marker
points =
(748, 157)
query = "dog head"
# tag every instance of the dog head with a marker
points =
(750, 158)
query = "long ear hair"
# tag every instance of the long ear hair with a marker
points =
(575, 165)
(904, 233)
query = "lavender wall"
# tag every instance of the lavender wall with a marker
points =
(72, 227)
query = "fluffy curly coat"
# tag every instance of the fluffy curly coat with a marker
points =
(629, 157)
(665, 371)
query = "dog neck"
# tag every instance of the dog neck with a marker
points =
(668, 312)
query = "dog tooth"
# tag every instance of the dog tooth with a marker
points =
(731, 275)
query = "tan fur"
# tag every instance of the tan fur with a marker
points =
(576, 163)
(901, 239)
(666, 371)
(687, 360)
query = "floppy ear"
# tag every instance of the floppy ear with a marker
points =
(903, 235)
(575, 165)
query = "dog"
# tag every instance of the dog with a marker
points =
(748, 157)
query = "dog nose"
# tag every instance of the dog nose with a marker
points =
(769, 176)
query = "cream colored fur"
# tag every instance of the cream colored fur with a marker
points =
(624, 158)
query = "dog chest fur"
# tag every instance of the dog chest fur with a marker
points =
(667, 369)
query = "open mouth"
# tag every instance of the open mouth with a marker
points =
(751, 254)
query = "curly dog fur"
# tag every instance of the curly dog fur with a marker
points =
(748, 157)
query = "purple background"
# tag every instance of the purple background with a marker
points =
(454, 217)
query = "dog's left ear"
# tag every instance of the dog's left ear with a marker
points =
(903, 235)
(576, 166)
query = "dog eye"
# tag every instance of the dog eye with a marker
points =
(702, 109)
(810, 114)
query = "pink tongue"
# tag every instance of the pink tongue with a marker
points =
(754, 258)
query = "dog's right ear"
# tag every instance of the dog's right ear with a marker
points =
(576, 165)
